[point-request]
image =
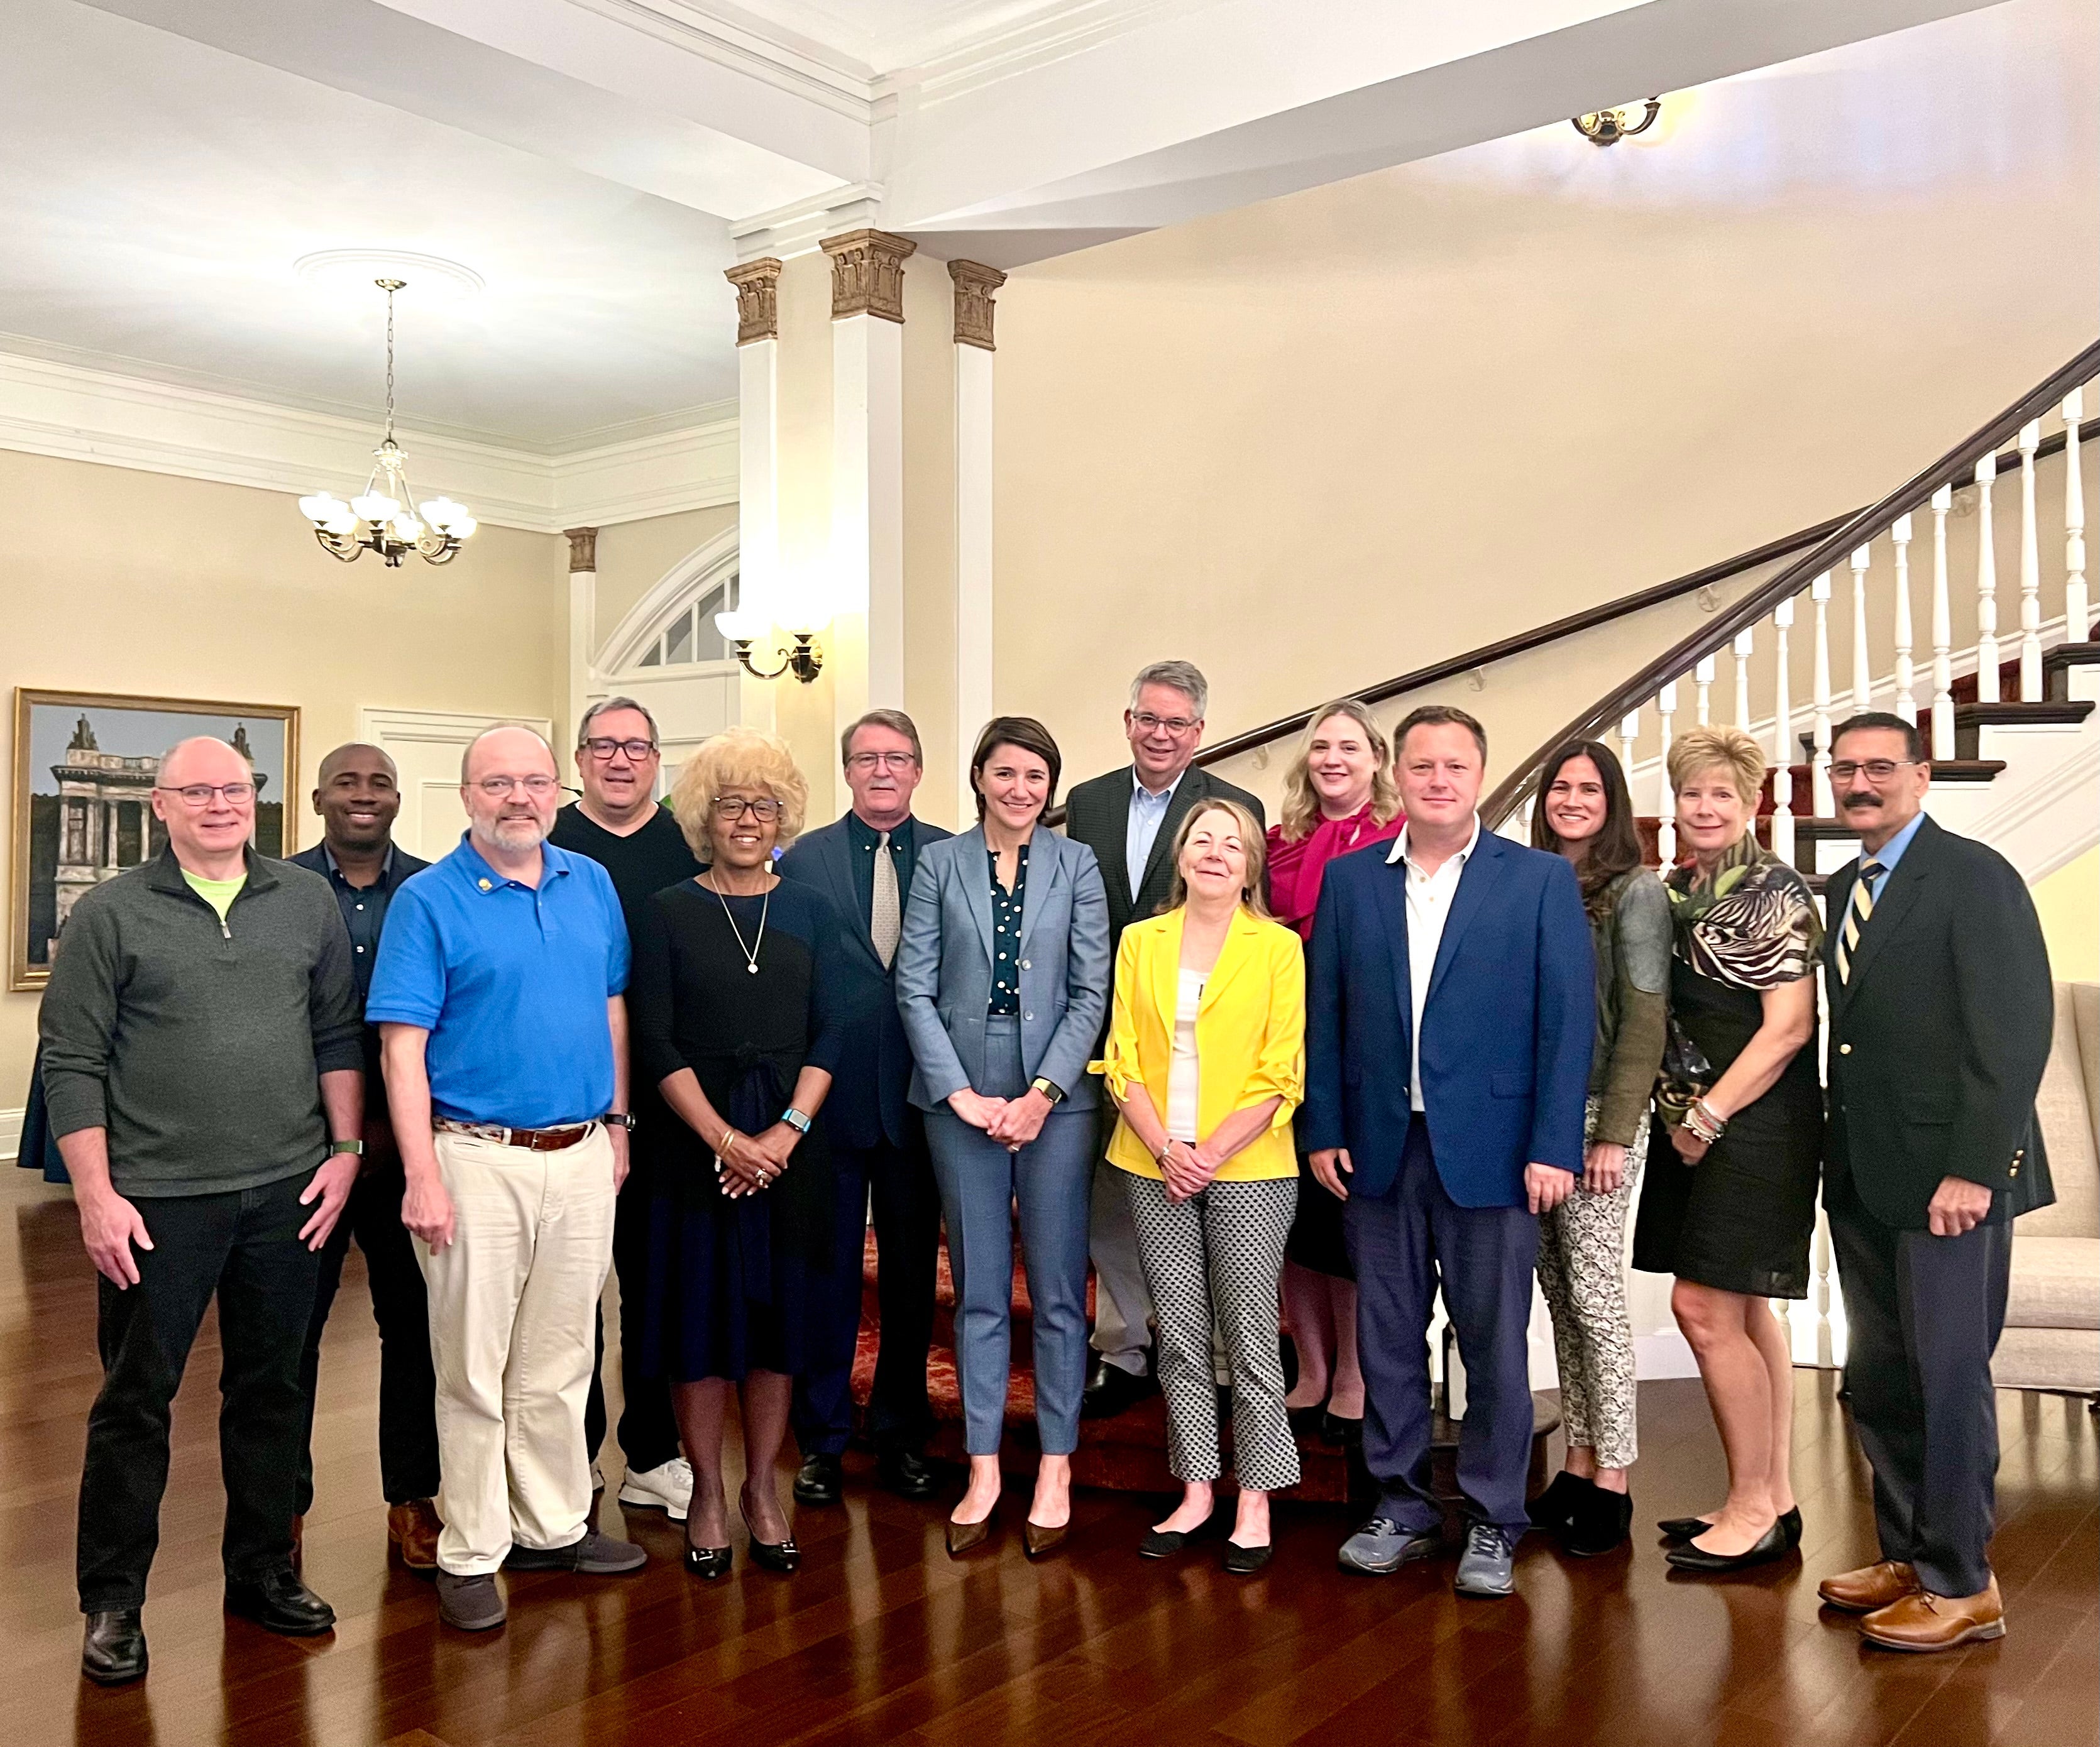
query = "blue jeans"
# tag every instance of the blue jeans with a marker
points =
(1051, 1178)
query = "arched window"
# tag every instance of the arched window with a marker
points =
(689, 636)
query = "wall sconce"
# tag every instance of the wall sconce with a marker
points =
(1608, 127)
(741, 629)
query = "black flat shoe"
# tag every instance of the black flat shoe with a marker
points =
(1340, 1433)
(1790, 1521)
(1555, 1508)
(113, 1650)
(1600, 1522)
(708, 1562)
(820, 1481)
(1691, 1528)
(1039, 1542)
(1245, 1561)
(1305, 1421)
(280, 1602)
(907, 1474)
(967, 1537)
(1772, 1544)
(1165, 1543)
(782, 1556)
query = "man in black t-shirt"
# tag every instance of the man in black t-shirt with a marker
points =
(620, 826)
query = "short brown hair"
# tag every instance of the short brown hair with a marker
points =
(1435, 715)
(738, 758)
(1023, 731)
(895, 720)
(1254, 893)
(1698, 750)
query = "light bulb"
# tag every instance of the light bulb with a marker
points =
(407, 529)
(442, 512)
(740, 627)
(374, 506)
(463, 527)
(324, 508)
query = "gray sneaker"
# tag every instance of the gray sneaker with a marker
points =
(1381, 1546)
(1484, 1566)
(472, 1605)
(590, 1555)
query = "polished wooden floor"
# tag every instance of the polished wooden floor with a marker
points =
(882, 1638)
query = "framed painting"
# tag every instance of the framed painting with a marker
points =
(84, 764)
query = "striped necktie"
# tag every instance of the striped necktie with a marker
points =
(885, 920)
(1856, 914)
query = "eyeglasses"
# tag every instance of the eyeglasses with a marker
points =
(495, 787)
(199, 794)
(731, 807)
(882, 761)
(1148, 723)
(603, 749)
(1876, 771)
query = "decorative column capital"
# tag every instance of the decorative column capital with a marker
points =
(867, 273)
(975, 287)
(757, 299)
(583, 549)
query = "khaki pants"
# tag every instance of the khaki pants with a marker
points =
(511, 1302)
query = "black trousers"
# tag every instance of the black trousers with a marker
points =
(648, 1428)
(906, 1204)
(1924, 1315)
(407, 1384)
(243, 1249)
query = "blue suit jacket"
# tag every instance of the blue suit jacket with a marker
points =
(869, 1100)
(1507, 1029)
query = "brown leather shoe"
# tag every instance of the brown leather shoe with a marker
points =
(1871, 1587)
(1922, 1621)
(411, 1535)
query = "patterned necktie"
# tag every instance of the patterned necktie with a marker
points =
(885, 920)
(1856, 913)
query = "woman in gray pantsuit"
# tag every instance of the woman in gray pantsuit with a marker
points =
(1002, 980)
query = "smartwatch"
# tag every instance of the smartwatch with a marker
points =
(618, 1119)
(355, 1148)
(1050, 1089)
(797, 1120)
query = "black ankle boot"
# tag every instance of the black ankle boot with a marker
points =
(1555, 1508)
(1600, 1522)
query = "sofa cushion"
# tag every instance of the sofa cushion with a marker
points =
(2048, 1359)
(2056, 1283)
(2066, 1114)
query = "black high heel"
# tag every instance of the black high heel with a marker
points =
(782, 1556)
(708, 1562)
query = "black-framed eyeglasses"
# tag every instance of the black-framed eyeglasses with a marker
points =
(602, 748)
(731, 807)
(1876, 771)
(199, 794)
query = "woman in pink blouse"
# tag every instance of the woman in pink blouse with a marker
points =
(1339, 797)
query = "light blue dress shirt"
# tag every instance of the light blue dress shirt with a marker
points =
(1148, 813)
(1889, 854)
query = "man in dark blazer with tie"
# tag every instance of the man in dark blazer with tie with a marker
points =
(1450, 1012)
(864, 862)
(1129, 819)
(1941, 1014)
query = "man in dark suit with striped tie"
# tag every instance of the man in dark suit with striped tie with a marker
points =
(1941, 1014)
(864, 863)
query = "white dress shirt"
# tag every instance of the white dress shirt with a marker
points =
(1148, 813)
(1429, 897)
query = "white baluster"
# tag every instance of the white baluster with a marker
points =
(2077, 614)
(1906, 674)
(2029, 569)
(1746, 647)
(1818, 769)
(1863, 670)
(1782, 825)
(1666, 831)
(1628, 734)
(1942, 630)
(1702, 676)
(1987, 586)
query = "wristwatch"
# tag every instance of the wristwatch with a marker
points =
(1049, 1089)
(355, 1148)
(796, 1119)
(618, 1119)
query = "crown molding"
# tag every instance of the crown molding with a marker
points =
(81, 414)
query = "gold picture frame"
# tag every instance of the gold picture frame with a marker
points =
(91, 818)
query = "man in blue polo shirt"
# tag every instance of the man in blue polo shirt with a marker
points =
(499, 999)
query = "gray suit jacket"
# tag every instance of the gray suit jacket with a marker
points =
(944, 962)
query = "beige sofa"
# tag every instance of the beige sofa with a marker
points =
(2052, 1338)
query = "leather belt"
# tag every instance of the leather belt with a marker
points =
(532, 1139)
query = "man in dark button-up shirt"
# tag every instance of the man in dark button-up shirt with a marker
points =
(358, 797)
(864, 862)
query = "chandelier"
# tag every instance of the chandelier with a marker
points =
(1608, 127)
(379, 519)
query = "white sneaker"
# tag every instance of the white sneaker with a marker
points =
(667, 1487)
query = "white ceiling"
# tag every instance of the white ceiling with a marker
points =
(163, 162)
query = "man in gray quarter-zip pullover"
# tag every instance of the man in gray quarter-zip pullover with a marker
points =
(204, 1066)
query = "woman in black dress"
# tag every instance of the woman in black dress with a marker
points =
(735, 1016)
(1730, 1203)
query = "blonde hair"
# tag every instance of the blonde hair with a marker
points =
(1699, 750)
(738, 758)
(1254, 894)
(1301, 800)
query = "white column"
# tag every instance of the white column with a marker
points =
(1942, 630)
(1702, 682)
(1863, 668)
(1818, 773)
(2077, 614)
(2029, 569)
(975, 286)
(757, 285)
(583, 623)
(1782, 825)
(1666, 811)
(1906, 674)
(1746, 646)
(1987, 586)
(866, 584)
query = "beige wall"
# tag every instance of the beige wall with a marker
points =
(140, 583)
(633, 556)
(2069, 903)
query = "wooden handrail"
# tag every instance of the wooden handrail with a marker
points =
(1957, 468)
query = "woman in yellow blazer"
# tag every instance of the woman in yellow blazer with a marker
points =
(1206, 1061)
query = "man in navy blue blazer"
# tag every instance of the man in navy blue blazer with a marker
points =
(864, 863)
(1449, 1015)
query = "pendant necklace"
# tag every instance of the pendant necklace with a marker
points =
(751, 952)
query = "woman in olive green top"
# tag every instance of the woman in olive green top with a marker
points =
(1585, 812)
